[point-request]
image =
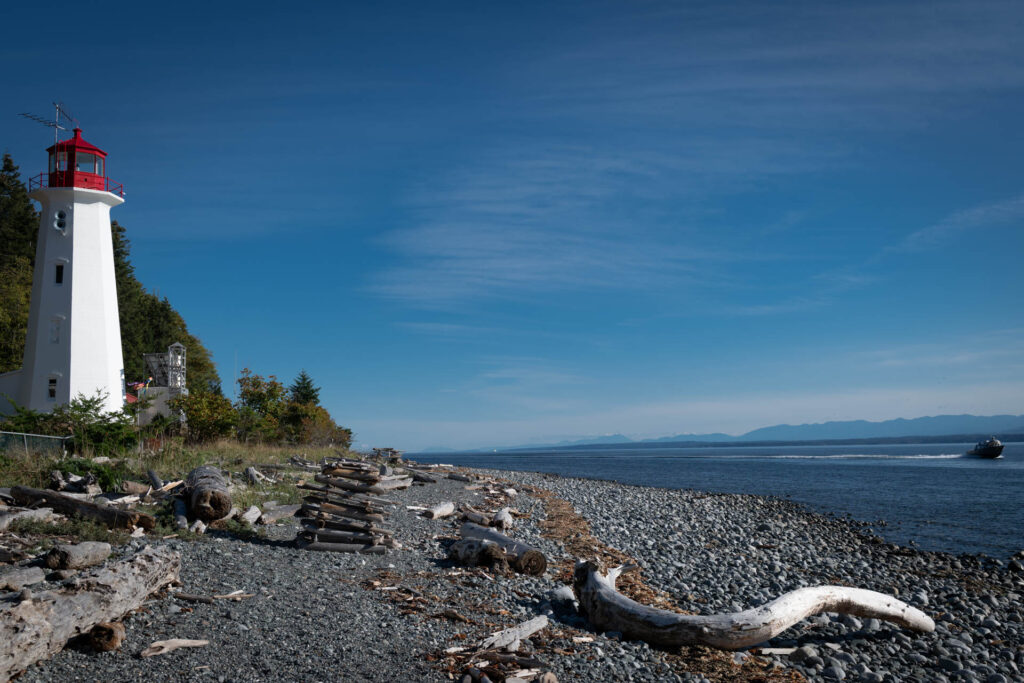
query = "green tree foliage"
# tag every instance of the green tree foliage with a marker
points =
(303, 390)
(261, 407)
(209, 415)
(150, 324)
(91, 429)
(19, 225)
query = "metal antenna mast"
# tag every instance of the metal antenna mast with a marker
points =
(60, 111)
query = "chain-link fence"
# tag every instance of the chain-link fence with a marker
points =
(32, 443)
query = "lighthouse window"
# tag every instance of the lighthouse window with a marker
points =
(51, 389)
(58, 277)
(99, 165)
(85, 163)
(62, 161)
(53, 163)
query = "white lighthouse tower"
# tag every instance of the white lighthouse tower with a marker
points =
(73, 344)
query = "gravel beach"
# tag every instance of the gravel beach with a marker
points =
(326, 616)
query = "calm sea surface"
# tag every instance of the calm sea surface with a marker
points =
(928, 493)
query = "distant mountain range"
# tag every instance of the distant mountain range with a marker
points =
(938, 425)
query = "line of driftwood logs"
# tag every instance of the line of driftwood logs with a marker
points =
(344, 510)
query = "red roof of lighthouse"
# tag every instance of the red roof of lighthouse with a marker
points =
(77, 143)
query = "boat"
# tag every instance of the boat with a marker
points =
(990, 448)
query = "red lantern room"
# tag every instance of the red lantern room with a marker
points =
(77, 163)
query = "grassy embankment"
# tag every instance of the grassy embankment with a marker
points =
(171, 463)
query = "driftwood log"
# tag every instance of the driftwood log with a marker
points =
(36, 628)
(502, 519)
(607, 609)
(208, 495)
(509, 636)
(277, 513)
(77, 556)
(341, 547)
(440, 510)
(180, 515)
(471, 514)
(155, 479)
(106, 636)
(474, 552)
(109, 516)
(523, 558)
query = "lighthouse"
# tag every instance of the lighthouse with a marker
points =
(73, 345)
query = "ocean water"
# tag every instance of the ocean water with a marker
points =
(931, 494)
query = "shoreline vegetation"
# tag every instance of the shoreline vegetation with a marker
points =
(414, 613)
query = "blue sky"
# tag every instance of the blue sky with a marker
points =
(482, 224)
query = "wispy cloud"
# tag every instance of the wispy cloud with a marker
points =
(976, 218)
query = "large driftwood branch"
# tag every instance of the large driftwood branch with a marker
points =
(208, 495)
(66, 505)
(521, 557)
(607, 609)
(36, 628)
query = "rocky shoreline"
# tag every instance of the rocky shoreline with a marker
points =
(325, 616)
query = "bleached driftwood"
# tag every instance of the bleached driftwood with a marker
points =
(251, 515)
(502, 519)
(254, 476)
(77, 556)
(180, 518)
(208, 495)
(440, 510)
(607, 609)
(507, 637)
(162, 647)
(455, 476)
(36, 628)
(524, 558)
(277, 513)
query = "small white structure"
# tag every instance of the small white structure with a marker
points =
(167, 372)
(73, 344)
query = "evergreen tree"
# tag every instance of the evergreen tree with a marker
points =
(19, 222)
(19, 225)
(303, 391)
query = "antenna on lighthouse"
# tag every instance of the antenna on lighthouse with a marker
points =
(60, 111)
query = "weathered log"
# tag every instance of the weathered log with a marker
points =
(17, 579)
(341, 547)
(77, 556)
(476, 516)
(349, 495)
(208, 495)
(357, 505)
(508, 636)
(111, 517)
(36, 628)
(135, 487)
(251, 515)
(502, 519)
(332, 536)
(254, 476)
(607, 609)
(155, 479)
(11, 515)
(338, 511)
(440, 510)
(107, 636)
(423, 477)
(380, 487)
(523, 558)
(277, 513)
(180, 516)
(459, 477)
(320, 522)
(474, 552)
